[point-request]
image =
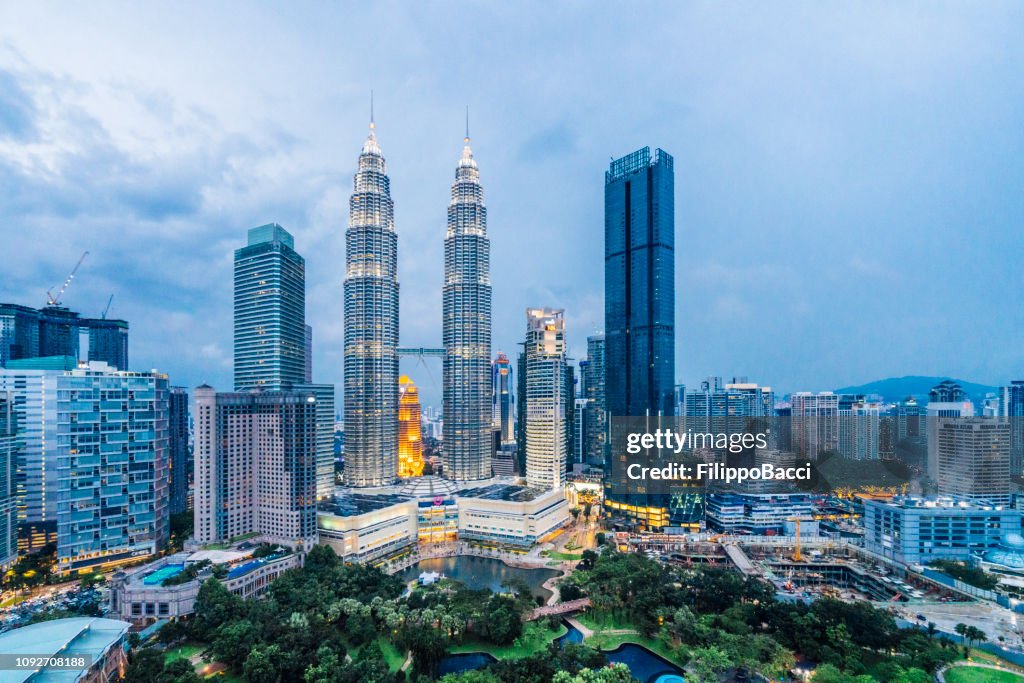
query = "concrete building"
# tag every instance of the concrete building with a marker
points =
(760, 514)
(503, 404)
(914, 530)
(595, 428)
(946, 400)
(814, 423)
(547, 398)
(372, 526)
(140, 595)
(974, 459)
(466, 328)
(325, 414)
(270, 311)
(255, 471)
(54, 330)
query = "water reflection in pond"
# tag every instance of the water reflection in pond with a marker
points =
(481, 572)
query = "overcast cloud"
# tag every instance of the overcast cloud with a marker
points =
(849, 186)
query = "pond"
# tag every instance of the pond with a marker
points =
(643, 664)
(481, 572)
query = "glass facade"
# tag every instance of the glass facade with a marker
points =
(639, 282)
(371, 325)
(466, 328)
(270, 311)
(178, 445)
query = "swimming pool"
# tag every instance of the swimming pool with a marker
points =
(160, 575)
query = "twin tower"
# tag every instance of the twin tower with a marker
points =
(371, 327)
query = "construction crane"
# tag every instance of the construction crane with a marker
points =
(797, 555)
(52, 300)
(103, 315)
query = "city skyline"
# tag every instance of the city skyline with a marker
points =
(804, 232)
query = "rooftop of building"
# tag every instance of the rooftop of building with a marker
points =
(935, 503)
(348, 502)
(88, 636)
(502, 491)
(1009, 554)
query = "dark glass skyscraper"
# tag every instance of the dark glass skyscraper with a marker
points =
(639, 284)
(178, 448)
(639, 295)
(270, 311)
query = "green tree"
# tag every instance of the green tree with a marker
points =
(707, 662)
(616, 673)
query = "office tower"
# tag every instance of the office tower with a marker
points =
(639, 221)
(324, 394)
(946, 400)
(27, 333)
(910, 419)
(270, 311)
(108, 341)
(59, 332)
(309, 355)
(371, 325)
(255, 466)
(502, 403)
(973, 459)
(178, 449)
(33, 384)
(112, 466)
(410, 439)
(570, 416)
(8, 469)
(736, 407)
(1012, 407)
(520, 459)
(547, 399)
(596, 427)
(858, 424)
(19, 333)
(814, 423)
(639, 294)
(466, 327)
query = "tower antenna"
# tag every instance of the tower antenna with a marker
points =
(371, 109)
(467, 123)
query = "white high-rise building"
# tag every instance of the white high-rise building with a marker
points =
(547, 398)
(814, 423)
(466, 328)
(255, 466)
(371, 325)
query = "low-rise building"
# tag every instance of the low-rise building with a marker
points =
(97, 643)
(914, 530)
(372, 525)
(145, 594)
(758, 513)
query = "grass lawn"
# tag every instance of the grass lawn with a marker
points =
(977, 674)
(184, 651)
(555, 555)
(392, 655)
(14, 600)
(603, 622)
(535, 638)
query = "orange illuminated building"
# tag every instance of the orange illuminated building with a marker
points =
(410, 439)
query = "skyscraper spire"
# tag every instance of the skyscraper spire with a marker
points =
(371, 111)
(467, 327)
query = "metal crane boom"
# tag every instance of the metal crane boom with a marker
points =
(103, 315)
(55, 300)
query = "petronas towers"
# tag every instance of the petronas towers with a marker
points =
(371, 327)
(467, 328)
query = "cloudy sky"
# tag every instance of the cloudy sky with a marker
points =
(849, 176)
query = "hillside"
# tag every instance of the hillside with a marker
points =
(898, 388)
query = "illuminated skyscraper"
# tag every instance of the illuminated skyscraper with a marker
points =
(371, 325)
(467, 328)
(503, 407)
(410, 439)
(547, 398)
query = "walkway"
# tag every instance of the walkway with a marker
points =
(740, 559)
(563, 608)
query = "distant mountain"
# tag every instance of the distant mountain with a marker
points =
(898, 388)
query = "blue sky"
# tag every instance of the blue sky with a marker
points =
(849, 176)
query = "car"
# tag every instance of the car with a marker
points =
(921, 617)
